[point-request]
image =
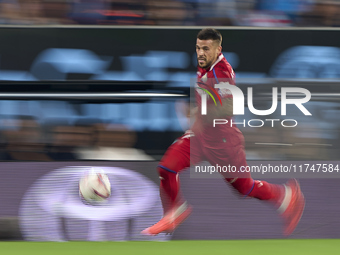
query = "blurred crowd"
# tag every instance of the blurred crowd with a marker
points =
(264, 13)
(23, 138)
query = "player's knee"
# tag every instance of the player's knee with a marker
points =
(243, 186)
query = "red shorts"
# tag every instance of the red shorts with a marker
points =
(190, 150)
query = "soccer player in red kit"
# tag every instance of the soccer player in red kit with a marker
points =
(221, 145)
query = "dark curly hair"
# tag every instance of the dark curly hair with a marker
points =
(210, 34)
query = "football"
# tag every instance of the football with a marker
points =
(95, 187)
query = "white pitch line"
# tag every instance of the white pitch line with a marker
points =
(280, 144)
(321, 144)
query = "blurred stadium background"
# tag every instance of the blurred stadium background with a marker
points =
(99, 83)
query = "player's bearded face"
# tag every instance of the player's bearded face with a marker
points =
(207, 52)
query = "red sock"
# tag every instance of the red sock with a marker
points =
(259, 189)
(169, 189)
(267, 191)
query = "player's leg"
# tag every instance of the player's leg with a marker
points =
(175, 160)
(245, 184)
(176, 209)
(287, 198)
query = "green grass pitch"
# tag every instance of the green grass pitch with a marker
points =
(234, 247)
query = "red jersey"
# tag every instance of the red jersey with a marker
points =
(220, 71)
